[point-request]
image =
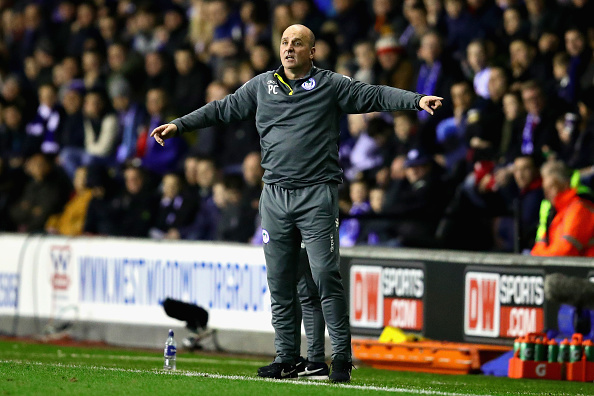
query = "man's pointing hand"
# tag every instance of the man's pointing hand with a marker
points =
(430, 103)
(163, 132)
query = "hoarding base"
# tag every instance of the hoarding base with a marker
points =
(426, 356)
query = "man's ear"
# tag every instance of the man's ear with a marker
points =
(312, 52)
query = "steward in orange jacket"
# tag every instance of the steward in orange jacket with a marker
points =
(571, 232)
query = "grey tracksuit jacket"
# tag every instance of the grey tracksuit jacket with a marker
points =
(298, 120)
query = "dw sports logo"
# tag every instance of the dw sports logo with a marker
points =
(386, 296)
(503, 304)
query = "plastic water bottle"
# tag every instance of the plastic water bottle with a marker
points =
(170, 352)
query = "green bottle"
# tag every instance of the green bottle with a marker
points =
(575, 351)
(563, 351)
(589, 350)
(527, 349)
(553, 351)
(540, 350)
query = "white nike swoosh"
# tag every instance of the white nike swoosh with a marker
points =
(284, 373)
(312, 371)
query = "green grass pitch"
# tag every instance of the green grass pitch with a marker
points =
(42, 369)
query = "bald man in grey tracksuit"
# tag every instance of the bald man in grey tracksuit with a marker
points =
(297, 109)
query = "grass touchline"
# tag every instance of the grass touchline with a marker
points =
(240, 378)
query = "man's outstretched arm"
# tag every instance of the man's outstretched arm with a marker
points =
(357, 97)
(235, 107)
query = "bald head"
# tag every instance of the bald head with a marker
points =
(303, 31)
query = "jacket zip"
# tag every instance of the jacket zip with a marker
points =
(283, 81)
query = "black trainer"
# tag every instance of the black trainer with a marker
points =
(300, 363)
(313, 370)
(278, 371)
(340, 370)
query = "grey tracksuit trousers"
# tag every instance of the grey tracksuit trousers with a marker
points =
(311, 312)
(289, 216)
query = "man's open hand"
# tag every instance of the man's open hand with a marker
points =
(430, 103)
(163, 132)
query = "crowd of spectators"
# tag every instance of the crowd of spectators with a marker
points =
(82, 84)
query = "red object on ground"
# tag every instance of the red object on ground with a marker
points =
(534, 369)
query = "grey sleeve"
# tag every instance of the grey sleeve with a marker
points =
(357, 97)
(234, 107)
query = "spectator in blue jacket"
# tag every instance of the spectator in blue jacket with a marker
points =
(131, 116)
(157, 159)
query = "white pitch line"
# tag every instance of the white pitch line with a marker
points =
(244, 378)
(182, 358)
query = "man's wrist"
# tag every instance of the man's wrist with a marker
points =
(418, 101)
(177, 124)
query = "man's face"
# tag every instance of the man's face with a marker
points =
(511, 21)
(550, 187)
(533, 101)
(183, 62)
(260, 57)
(574, 42)
(90, 61)
(37, 167)
(461, 96)
(70, 68)
(365, 56)
(416, 173)
(154, 101)
(215, 91)
(341, 5)
(153, 64)
(358, 193)
(497, 84)
(116, 57)
(382, 7)
(93, 105)
(548, 43)
(524, 172)
(430, 48)
(476, 56)
(12, 117)
(252, 170)
(296, 52)
(85, 15)
(172, 20)
(511, 106)
(171, 186)
(534, 7)
(107, 27)
(520, 54)
(72, 101)
(388, 60)
(218, 12)
(205, 173)
(402, 128)
(190, 168)
(120, 103)
(453, 8)
(47, 96)
(133, 180)
(376, 199)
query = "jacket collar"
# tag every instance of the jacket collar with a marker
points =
(281, 72)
